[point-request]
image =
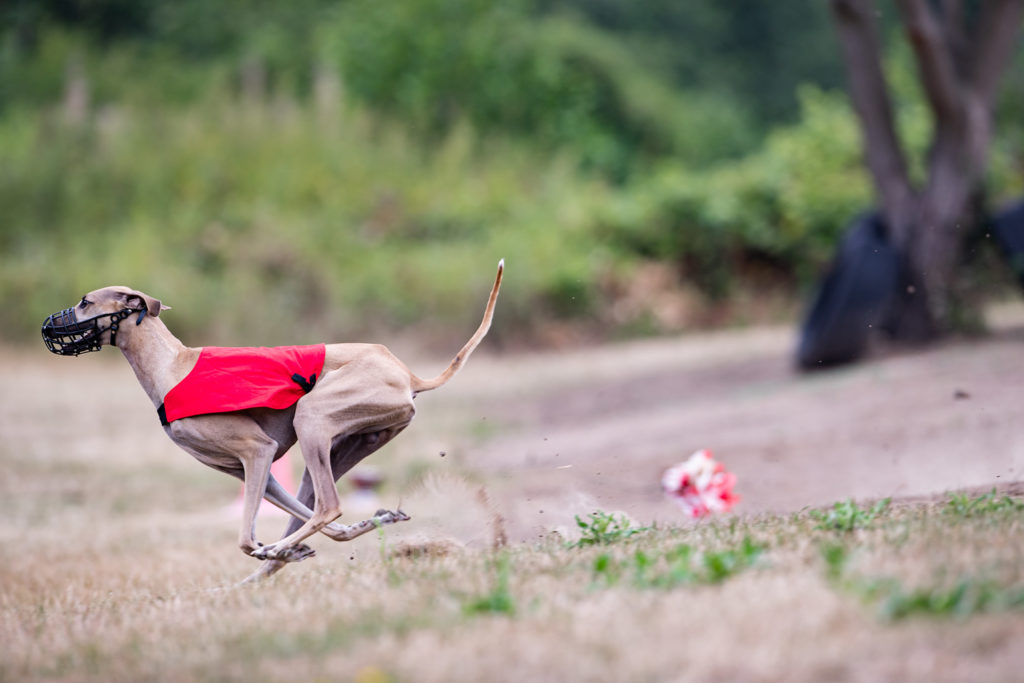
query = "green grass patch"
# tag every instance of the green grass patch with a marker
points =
(498, 600)
(680, 565)
(958, 567)
(963, 505)
(966, 597)
(845, 516)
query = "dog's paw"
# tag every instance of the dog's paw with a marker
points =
(294, 553)
(389, 517)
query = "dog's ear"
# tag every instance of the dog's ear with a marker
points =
(137, 300)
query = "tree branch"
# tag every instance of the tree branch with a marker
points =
(954, 25)
(870, 96)
(934, 61)
(994, 39)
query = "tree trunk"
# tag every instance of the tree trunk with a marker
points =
(959, 66)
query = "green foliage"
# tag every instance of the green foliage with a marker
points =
(680, 565)
(742, 51)
(963, 505)
(340, 225)
(344, 224)
(966, 597)
(963, 598)
(499, 600)
(437, 63)
(835, 556)
(847, 516)
(603, 528)
(718, 566)
(356, 166)
(787, 202)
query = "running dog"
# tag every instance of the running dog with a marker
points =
(238, 410)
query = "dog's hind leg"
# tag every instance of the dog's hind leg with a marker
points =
(301, 513)
(345, 455)
(343, 411)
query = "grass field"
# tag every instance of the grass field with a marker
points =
(121, 562)
(923, 592)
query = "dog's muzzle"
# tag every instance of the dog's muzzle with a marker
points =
(66, 335)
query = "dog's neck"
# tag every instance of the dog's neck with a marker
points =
(158, 358)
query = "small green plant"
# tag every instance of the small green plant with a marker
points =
(723, 564)
(847, 516)
(386, 558)
(678, 569)
(680, 565)
(835, 556)
(607, 570)
(499, 599)
(969, 596)
(603, 528)
(963, 505)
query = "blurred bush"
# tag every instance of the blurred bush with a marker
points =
(504, 70)
(276, 222)
(319, 170)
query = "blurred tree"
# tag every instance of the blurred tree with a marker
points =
(961, 48)
(752, 53)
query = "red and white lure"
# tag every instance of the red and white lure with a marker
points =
(700, 486)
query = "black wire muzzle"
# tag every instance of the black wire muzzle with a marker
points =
(65, 335)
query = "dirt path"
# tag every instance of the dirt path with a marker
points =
(577, 431)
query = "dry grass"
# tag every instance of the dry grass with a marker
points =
(159, 603)
(121, 564)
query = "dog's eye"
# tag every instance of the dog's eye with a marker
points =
(84, 303)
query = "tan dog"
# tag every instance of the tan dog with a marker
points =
(362, 400)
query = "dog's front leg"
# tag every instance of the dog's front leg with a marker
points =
(257, 475)
(257, 469)
(326, 505)
(300, 514)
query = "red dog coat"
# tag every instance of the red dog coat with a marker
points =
(226, 379)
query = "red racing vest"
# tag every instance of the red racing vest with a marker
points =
(225, 379)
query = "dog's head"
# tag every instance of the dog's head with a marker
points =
(77, 330)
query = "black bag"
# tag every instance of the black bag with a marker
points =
(1008, 229)
(855, 296)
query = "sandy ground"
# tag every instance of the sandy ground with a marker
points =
(596, 428)
(556, 434)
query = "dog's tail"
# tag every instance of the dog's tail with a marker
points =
(419, 385)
